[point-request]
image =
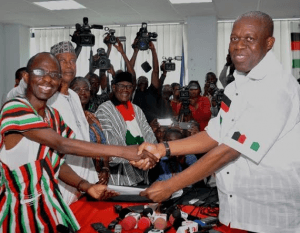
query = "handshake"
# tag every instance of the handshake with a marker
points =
(148, 155)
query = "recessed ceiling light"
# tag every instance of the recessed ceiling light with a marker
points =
(60, 5)
(188, 1)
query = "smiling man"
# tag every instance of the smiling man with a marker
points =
(67, 102)
(252, 145)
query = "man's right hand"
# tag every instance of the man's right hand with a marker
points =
(158, 192)
(158, 150)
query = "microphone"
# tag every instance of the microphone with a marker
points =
(160, 221)
(122, 213)
(130, 221)
(144, 223)
(180, 214)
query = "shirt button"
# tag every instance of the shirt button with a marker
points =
(227, 172)
(230, 195)
(232, 120)
(236, 93)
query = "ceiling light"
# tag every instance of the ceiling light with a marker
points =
(188, 1)
(60, 5)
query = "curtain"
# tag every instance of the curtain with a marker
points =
(295, 48)
(281, 48)
(169, 44)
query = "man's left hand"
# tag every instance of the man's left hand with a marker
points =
(100, 192)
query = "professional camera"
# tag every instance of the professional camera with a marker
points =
(170, 66)
(103, 63)
(218, 96)
(144, 37)
(212, 89)
(112, 39)
(184, 96)
(82, 35)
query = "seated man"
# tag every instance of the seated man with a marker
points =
(124, 124)
(168, 167)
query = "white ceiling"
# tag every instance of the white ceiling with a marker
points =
(108, 12)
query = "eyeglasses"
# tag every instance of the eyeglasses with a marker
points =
(123, 87)
(78, 89)
(42, 73)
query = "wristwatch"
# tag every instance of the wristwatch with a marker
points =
(168, 151)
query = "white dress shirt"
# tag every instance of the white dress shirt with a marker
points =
(259, 117)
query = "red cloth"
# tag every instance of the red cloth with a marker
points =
(88, 212)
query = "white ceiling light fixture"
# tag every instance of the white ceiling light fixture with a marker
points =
(188, 1)
(60, 5)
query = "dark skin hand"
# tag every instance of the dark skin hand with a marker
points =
(96, 191)
(77, 147)
(216, 157)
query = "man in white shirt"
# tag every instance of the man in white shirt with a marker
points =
(253, 143)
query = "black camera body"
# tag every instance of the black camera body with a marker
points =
(83, 35)
(218, 97)
(112, 38)
(169, 65)
(184, 98)
(144, 37)
(103, 63)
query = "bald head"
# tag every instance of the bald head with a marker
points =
(40, 57)
(265, 20)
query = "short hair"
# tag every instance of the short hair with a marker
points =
(175, 85)
(267, 21)
(32, 59)
(142, 77)
(19, 71)
(79, 79)
(172, 131)
(92, 75)
(210, 74)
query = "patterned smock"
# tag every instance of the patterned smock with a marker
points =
(30, 200)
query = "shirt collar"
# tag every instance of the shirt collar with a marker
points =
(269, 62)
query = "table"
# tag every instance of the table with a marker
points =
(88, 212)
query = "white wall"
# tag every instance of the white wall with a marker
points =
(202, 47)
(14, 53)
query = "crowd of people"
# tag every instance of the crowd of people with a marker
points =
(63, 135)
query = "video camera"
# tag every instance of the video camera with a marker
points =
(103, 63)
(144, 37)
(112, 38)
(218, 96)
(82, 35)
(170, 66)
(184, 98)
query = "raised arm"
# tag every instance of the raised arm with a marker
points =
(155, 71)
(135, 53)
(130, 69)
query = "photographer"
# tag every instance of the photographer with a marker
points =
(146, 97)
(199, 106)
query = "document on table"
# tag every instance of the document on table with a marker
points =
(125, 190)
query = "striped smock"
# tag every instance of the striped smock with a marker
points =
(30, 200)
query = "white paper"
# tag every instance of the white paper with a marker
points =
(125, 190)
